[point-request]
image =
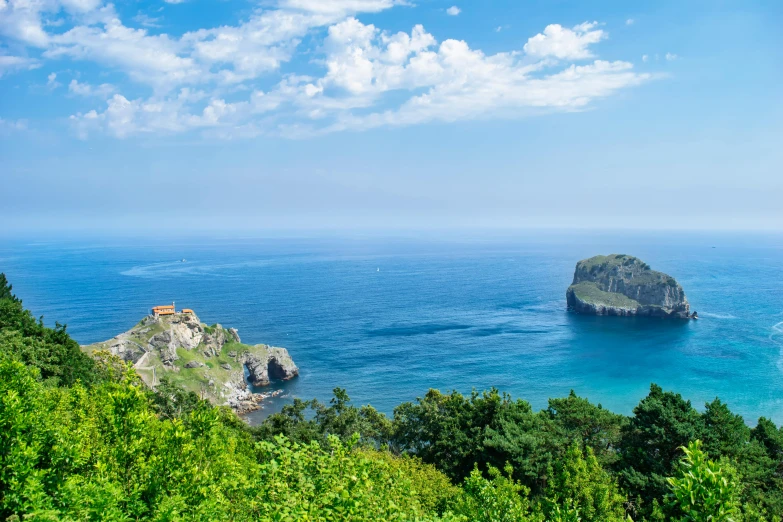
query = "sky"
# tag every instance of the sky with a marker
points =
(390, 114)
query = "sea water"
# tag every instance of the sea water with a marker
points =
(387, 318)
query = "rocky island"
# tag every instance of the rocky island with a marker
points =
(620, 284)
(211, 361)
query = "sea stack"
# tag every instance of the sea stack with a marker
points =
(620, 284)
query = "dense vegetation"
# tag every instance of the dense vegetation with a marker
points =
(82, 438)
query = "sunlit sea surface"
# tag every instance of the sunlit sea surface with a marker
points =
(389, 318)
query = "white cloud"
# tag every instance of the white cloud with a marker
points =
(123, 117)
(103, 90)
(51, 81)
(453, 10)
(645, 58)
(8, 127)
(341, 7)
(563, 43)
(670, 57)
(368, 77)
(146, 20)
(16, 63)
(154, 60)
(438, 82)
(630, 21)
(467, 84)
(22, 19)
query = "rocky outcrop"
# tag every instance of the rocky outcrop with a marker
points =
(268, 362)
(208, 360)
(624, 285)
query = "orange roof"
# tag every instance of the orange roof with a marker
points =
(163, 307)
(187, 311)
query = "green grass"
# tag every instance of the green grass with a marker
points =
(590, 293)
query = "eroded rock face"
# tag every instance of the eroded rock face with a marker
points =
(624, 285)
(127, 349)
(281, 366)
(186, 331)
(215, 339)
(269, 363)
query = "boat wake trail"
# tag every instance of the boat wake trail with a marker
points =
(717, 316)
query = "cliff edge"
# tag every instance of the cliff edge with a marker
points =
(211, 361)
(620, 284)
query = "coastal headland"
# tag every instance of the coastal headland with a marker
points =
(210, 361)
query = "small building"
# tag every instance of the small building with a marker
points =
(157, 311)
(187, 311)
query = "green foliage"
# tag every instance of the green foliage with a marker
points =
(434, 491)
(6, 290)
(590, 292)
(172, 402)
(594, 427)
(702, 490)
(498, 499)
(455, 433)
(330, 482)
(104, 454)
(341, 419)
(662, 423)
(51, 350)
(725, 434)
(581, 487)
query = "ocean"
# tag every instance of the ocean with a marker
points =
(387, 318)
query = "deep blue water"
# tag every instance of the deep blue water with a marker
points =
(389, 318)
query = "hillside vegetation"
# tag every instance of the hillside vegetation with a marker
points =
(82, 438)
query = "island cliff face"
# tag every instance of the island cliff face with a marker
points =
(208, 360)
(619, 284)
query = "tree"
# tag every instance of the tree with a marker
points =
(581, 488)
(340, 418)
(703, 490)
(51, 350)
(6, 290)
(496, 499)
(662, 423)
(448, 430)
(725, 434)
(590, 424)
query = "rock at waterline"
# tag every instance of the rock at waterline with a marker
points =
(620, 284)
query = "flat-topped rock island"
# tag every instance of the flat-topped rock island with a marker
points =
(624, 285)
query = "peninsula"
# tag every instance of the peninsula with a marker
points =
(620, 284)
(211, 361)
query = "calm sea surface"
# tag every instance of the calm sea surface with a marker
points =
(389, 318)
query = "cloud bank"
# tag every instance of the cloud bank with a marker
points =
(359, 76)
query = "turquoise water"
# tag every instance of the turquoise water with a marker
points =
(389, 318)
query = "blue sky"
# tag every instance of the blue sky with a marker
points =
(297, 114)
